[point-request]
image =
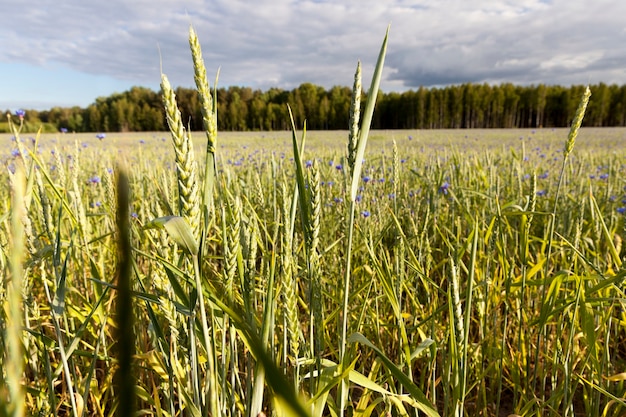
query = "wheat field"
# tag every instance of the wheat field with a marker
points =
(356, 273)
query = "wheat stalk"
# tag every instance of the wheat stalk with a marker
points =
(14, 366)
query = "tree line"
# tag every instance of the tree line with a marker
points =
(242, 108)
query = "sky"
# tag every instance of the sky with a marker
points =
(68, 53)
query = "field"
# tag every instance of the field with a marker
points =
(459, 276)
(340, 274)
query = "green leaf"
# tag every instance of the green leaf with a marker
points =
(366, 120)
(178, 229)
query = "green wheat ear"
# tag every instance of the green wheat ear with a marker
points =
(355, 116)
(208, 104)
(186, 170)
(577, 122)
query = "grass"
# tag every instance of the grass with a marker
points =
(483, 276)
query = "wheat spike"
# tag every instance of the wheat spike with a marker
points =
(186, 167)
(577, 122)
(456, 300)
(355, 115)
(289, 280)
(46, 210)
(202, 85)
(60, 169)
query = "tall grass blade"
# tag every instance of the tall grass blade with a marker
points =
(15, 357)
(125, 375)
(366, 120)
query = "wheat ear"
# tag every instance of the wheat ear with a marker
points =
(186, 167)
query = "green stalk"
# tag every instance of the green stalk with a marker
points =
(569, 146)
(124, 377)
(356, 176)
(211, 378)
(15, 356)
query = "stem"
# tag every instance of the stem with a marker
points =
(211, 386)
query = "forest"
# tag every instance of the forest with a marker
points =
(242, 108)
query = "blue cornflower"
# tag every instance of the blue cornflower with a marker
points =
(604, 176)
(443, 188)
(101, 136)
(142, 141)
(339, 167)
(541, 193)
(366, 179)
(621, 210)
(63, 130)
(543, 176)
(338, 200)
(365, 213)
(94, 180)
(20, 113)
(15, 153)
(308, 164)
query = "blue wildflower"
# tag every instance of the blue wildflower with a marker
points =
(63, 130)
(94, 180)
(443, 188)
(366, 179)
(101, 136)
(621, 210)
(20, 113)
(365, 213)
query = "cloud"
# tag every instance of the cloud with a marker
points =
(283, 43)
